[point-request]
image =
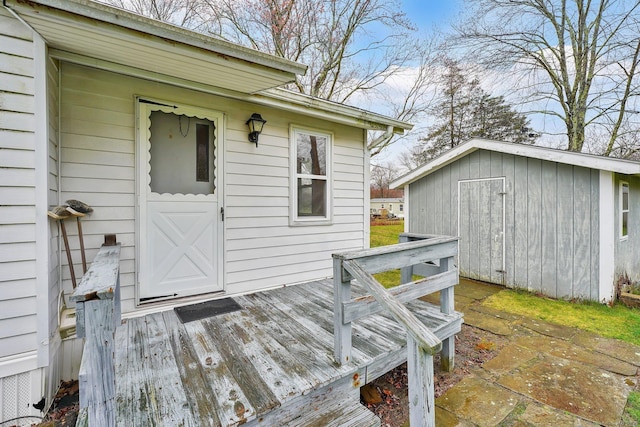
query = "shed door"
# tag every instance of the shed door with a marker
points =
(180, 221)
(481, 229)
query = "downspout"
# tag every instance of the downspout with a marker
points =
(386, 136)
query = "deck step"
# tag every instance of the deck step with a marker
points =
(337, 413)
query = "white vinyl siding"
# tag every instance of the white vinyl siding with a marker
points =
(261, 249)
(17, 189)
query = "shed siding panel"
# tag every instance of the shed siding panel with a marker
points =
(521, 259)
(549, 223)
(508, 170)
(262, 250)
(551, 220)
(534, 226)
(582, 233)
(565, 236)
(17, 187)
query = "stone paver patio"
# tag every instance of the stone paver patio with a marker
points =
(547, 375)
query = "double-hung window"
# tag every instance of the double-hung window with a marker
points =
(311, 177)
(624, 209)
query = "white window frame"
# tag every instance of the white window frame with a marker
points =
(294, 219)
(622, 210)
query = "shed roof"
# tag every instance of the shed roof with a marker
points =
(102, 36)
(591, 161)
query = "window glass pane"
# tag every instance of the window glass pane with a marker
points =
(312, 154)
(312, 199)
(625, 216)
(181, 154)
(202, 153)
(625, 197)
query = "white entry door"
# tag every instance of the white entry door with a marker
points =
(179, 213)
(481, 224)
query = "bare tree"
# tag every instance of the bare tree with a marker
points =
(184, 13)
(356, 50)
(381, 177)
(579, 54)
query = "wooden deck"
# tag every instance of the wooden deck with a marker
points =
(269, 364)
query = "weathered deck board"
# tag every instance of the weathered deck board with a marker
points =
(275, 353)
(234, 405)
(168, 402)
(374, 341)
(314, 367)
(314, 324)
(202, 401)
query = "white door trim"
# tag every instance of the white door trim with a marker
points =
(143, 110)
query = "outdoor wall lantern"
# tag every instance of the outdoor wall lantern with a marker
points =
(255, 123)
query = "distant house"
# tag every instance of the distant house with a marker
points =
(560, 223)
(146, 122)
(394, 207)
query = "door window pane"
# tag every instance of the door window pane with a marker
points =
(181, 154)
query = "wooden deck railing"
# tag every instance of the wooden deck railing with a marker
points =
(97, 299)
(431, 256)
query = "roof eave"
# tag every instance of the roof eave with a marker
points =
(621, 166)
(355, 116)
(135, 22)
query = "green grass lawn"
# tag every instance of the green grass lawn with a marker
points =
(382, 235)
(614, 322)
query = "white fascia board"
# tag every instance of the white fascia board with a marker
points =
(366, 119)
(542, 153)
(122, 18)
(443, 160)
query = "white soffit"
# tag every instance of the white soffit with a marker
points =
(610, 164)
(107, 33)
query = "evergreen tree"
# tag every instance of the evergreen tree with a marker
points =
(466, 111)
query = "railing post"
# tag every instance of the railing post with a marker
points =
(341, 330)
(447, 306)
(406, 273)
(99, 393)
(97, 299)
(422, 410)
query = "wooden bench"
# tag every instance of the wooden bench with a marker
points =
(424, 255)
(97, 300)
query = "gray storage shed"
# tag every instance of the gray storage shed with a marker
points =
(556, 222)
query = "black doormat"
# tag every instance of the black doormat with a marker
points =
(189, 313)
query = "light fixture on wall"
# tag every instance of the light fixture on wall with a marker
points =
(255, 123)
